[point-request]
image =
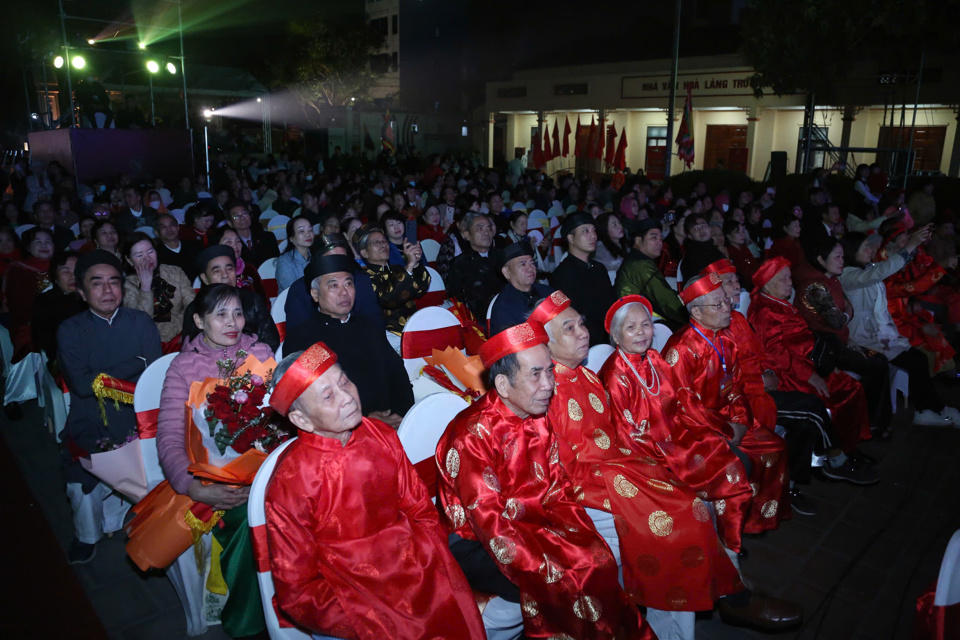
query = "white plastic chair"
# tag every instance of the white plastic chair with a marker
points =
(431, 249)
(598, 355)
(744, 302)
(519, 206)
(268, 275)
(278, 356)
(197, 283)
(179, 214)
(266, 217)
(147, 230)
(661, 333)
(146, 404)
(426, 319)
(279, 314)
(282, 246)
(556, 211)
(280, 233)
(278, 628)
(23, 228)
(490, 311)
(75, 229)
(571, 208)
(421, 429)
(278, 222)
(948, 583)
(537, 219)
(436, 295)
(673, 283)
(531, 204)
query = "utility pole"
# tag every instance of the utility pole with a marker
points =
(672, 106)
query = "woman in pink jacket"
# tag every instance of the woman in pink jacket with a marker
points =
(219, 323)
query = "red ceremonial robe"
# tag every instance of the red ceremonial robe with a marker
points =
(920, 278)
(356, 546)
(786, 345)
(501, 484)
(710, 400)
(649, 423)
(669, 549)
(750, 351)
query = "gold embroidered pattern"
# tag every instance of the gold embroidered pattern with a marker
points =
(478, 430)
(514, 509)
(768, 459)
(453, 463)
(504, 549)
(733, 474)
(574, 410)
(550, 569)
(456, 515)
(720, 505)
(596, 403)
(587, 608)
(529, 606)
(553, 455)
(606, 504)
(624, 487)
(769, 509)
(700, 511)
(660, 523)
(491, 480)
(671, 357)
(755, 488)
(601, 439)
(538, 473)
(659, 485)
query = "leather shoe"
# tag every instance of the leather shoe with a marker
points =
(763, 613)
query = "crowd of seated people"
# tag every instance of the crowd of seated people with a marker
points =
(726, 416)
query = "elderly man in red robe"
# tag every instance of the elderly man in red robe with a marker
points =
(501, 483)
(802, 417)
(657, 526)
(356, 546)
(710, 390)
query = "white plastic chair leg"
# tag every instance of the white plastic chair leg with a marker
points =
(189, 585)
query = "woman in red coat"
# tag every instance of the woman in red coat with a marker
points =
(787, 343)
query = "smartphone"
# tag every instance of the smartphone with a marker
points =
(410, 231)
(448, 215)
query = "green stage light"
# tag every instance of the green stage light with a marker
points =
(152, 66)
(78, 62)
(58, 62)
(142, 45)
(172, 68)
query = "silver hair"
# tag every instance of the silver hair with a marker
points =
(616, 324)
(281, 369)
(471, 218)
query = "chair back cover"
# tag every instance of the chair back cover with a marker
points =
(597, 355)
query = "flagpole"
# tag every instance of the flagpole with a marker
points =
(672, 107)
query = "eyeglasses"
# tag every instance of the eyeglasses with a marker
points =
(716, 307)
(378, 243)
(237, 216)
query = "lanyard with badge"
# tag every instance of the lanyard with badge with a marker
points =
(727, 380)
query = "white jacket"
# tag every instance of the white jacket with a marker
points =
(872, 327)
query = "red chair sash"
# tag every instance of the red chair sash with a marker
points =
(419, 344)
(147, 423)
(282, 330)
(270, 287)
(431, 299)
(427, 470)
(261, 552)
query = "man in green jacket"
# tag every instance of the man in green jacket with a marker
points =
(639, 274)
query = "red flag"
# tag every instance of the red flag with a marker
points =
(566, 135)
(576, 139)
(556, 139)
(685, 148)
(537, 151)
(611, 142)
(601, 139)
(547, 151)
(620, 157)
(592, 141)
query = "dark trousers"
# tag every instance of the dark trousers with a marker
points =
(923, 393)
(874, 372)
(808, 427)
(481, 570)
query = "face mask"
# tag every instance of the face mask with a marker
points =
(155, 204)
(88, 198)
(378, 191)
(724, 206)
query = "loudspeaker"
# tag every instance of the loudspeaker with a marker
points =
(778, 164)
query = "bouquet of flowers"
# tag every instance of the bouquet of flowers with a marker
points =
(234, 411)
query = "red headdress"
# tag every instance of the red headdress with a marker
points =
(720, 267)
(700, 287)
(550, 308)
(767, 270)
(622, 302)
(513, 340)
(302, 373)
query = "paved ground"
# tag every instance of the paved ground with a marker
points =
(857, 567)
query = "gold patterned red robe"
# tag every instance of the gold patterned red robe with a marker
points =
(649, 422)
(671, 555)
(786, 345)
(920, 278)
(501, 483)
(710, 398)
(356, 546)
(750, 350)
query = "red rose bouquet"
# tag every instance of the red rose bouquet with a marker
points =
(235, 411)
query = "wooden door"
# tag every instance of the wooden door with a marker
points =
(726, 147)
(927, 142)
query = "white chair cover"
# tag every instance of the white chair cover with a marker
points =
(23, 379)
(672, 282)
(147, 230)
(948, 584)
(257, 519)
(744, 302)
(179, 214)
(75, 229)
(197, 283)
(899, 381)
(6, 350)
(421, 428)
(22, 228)
(431, 249)
(280, 233)
(278, 222)
(537, 220)
(278, 356)
(55, 403)
(424, 320)
(661, 333)
(598, 355)
(146, 399)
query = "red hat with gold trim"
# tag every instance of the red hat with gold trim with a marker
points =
(767, 270)
(305, 370)
(552, 306)
(720, 267)
(513, 340)
(621, 303)
(700, 287)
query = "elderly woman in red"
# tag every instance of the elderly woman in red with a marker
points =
(787, 343)
(918, 279)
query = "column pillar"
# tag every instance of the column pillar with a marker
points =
(954, 169)
(753, 115)
(491, 121)
(849, 115)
